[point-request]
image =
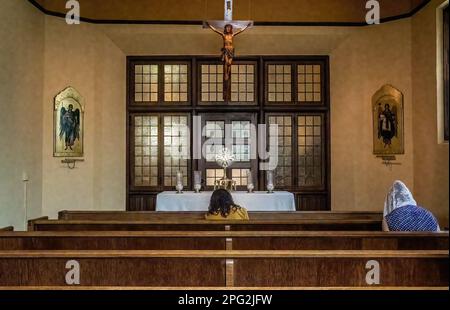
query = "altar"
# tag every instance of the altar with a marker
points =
(257, 201)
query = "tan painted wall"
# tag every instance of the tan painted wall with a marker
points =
(365, 61)
(430, 157)
(81, 57)
(21, 76)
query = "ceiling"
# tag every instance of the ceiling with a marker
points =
(333, 12)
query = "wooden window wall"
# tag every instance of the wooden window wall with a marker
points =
(165, 93)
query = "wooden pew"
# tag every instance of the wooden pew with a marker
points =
(183, 224)
(152, 215)
(257, 269)
(221, 240)
(7, 228)
(30, 222)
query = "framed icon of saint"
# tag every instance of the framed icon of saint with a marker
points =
(387, 108)
(68, 122)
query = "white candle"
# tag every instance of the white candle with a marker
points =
(197, 177)
(249, 177)
(270, 186)
(179, 177)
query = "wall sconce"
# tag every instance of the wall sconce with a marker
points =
(71, 162)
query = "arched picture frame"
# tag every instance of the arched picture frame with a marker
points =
(68, 131)
(387, 109)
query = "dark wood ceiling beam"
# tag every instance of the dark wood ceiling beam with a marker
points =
(415, 6)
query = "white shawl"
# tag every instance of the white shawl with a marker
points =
(398, 196)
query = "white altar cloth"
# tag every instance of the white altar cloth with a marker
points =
(257, 201)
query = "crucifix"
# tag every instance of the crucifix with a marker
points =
(228, 47)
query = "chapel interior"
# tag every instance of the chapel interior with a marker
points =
(148, 85)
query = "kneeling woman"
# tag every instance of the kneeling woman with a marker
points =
(401, 212)
(222, 207)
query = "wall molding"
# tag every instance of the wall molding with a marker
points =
(200, 22)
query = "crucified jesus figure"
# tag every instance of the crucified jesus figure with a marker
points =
(228, 48)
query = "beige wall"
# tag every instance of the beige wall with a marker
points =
(365, 61)
(91, 58)
(21, 76)
(81, 57)
(430, 156)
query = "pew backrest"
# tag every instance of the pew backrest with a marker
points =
(198, 225)
(224, 268)
(217, 240)
(161, 216)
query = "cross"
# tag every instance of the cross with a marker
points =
(228, 48)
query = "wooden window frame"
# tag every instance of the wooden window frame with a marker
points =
(229, 102)
(142, 198)
(160, 63)
(324, 80)
(446, 71)
(131, 153)
(252, 165)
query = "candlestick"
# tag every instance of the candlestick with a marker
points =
(250, 185)
(197, 181)
(270, 185)
(179, 186)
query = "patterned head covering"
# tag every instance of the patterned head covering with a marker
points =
(398, 196)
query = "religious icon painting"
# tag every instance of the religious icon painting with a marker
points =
(387, 109)
(68, 122)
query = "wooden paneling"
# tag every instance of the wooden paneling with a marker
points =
(230, 240)
(163, 216)
(194, 221)
(207, 268)
(343, 271)
(146, 202)
(199, 225)
(312, 202)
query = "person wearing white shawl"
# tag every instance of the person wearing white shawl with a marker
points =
(401, 212)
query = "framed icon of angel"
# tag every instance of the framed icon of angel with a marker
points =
(387, 105)
(68, 124)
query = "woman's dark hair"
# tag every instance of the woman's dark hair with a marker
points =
(221, 203)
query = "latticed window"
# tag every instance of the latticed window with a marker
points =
(212, 83)
(296, 82)
(146, 83)
(175, 83)
(146, 150)
(160, 83)
(212, 175)
(215, 131)
(243, 83)
(176, 148)
(279, 83)
(309, 83)
(310, 159)
(283, 172)
(164, 94)
(173, 129)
